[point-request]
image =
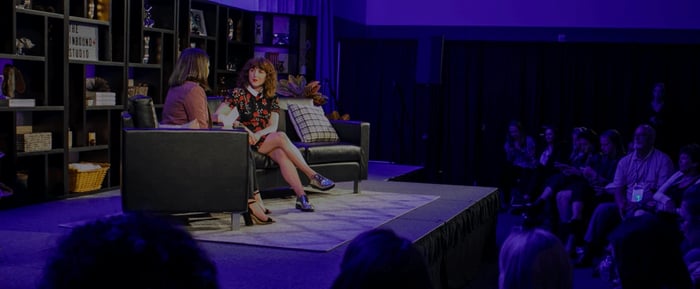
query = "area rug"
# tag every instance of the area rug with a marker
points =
(340, 216)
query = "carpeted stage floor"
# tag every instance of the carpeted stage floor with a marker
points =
(455, 226)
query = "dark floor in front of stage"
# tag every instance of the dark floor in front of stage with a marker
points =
(28, 234)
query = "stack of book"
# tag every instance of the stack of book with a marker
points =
(99, 98)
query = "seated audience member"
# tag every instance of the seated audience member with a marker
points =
(689, 212)
(647, 254)
(552, 151)
(533, 258)
(129, 251)
(670, 193)
(588, 190)
(569, 173)
(637, 177)
(520, 169)
(379, 258)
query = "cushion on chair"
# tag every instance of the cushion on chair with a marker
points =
(311, 124)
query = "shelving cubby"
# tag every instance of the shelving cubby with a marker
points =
(150, 63)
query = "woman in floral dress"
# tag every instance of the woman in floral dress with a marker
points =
(256, 103)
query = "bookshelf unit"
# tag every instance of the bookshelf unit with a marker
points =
(69, 45)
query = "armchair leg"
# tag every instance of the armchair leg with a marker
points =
(236, 221)
(356, 186)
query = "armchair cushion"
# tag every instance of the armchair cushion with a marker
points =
(311, 124)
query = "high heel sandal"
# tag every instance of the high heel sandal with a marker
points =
(256, 196)
(251, 218)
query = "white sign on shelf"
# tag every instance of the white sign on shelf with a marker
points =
(83, 42)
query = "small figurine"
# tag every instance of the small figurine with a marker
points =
(91, 9)
(23, 44)
(146, 47)
(147, 20)
(231, 30)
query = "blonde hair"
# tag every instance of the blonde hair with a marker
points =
(193, 65)
(270, 85)
(534, 258)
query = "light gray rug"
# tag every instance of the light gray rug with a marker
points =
(340, 216)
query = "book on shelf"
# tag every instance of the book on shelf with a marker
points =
(18, 102)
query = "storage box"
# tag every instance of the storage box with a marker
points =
(85, 181)
(34, 142)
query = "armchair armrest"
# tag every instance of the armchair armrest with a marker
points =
(357, 133)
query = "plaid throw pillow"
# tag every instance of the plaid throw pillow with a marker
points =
(311, 124)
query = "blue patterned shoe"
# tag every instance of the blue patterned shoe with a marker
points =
(304, 205)
(322, 183)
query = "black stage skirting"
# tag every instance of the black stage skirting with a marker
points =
(456, 250)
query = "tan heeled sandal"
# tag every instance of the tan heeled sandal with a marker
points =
(256, 196)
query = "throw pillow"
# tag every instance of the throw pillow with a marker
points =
(311, 124)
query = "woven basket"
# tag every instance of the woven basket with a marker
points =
(35, 142)
(84, 181)
(141, 89)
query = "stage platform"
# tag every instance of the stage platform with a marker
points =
(456, 232)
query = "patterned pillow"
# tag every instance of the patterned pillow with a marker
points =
(311, 124)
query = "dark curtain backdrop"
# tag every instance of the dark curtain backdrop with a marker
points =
(456, 128)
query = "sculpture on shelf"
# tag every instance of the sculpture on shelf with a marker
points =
(91, 9)
(23, 44)
(13, 81)
(146, 47)
(231, 30)
(147, 19)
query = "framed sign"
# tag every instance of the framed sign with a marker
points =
(197, 24)
(83, 42)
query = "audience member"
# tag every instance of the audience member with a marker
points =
(533, 258)
(584, 147)
(129, 251)
(378, 258)
(661, 116)
(689, 212)
(647, 254)
(582, 193)
(552, 151)
(670, 193)
(520, 169)
(186, 101)
(637, 177)
(255, 102)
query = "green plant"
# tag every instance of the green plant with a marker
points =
(296, 86)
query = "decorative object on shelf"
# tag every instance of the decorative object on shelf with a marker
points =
(83, 42)
(147, 20)
(297, 87)
(91, 9)
(138, 89)
(13, 81)
(231, 66)
(239, 29)
(281, 39)
(98, 92)
(25, 4)
(35, 142)
(23, 44)
(231, 30)
(258, 29)
(102, 9)
(146, 47)
(197, 24)
(92, 138)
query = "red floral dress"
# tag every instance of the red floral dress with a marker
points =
(255, 111)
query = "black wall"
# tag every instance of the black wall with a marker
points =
(454, 124)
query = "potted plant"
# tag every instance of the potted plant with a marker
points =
(298, 87)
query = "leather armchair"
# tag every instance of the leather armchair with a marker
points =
(184, 170)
